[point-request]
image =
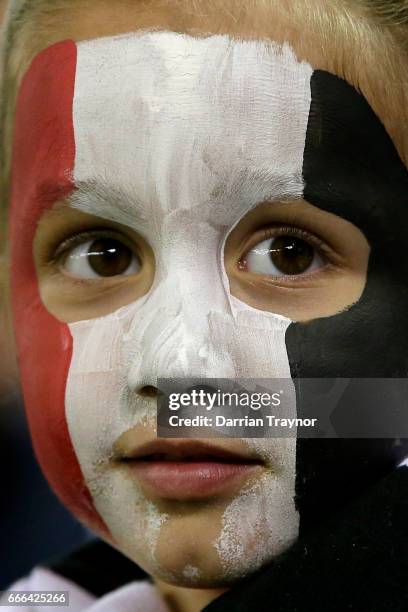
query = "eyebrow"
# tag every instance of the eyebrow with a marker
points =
(99, 198)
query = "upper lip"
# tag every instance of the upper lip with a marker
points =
(173, 450)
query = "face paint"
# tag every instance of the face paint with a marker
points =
(188, 193)
(184, 198)
(44, 151)
(351, 169)
(163, 141)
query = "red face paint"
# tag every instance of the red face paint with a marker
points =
(43, 162)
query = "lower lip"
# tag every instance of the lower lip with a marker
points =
(183, 480)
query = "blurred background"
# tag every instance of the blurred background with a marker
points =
(34, 526)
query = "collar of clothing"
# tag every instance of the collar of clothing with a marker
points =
(357, 560)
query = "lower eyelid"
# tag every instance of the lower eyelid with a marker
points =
(58, 275)
(298, 279)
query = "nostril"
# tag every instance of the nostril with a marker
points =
(148, 391)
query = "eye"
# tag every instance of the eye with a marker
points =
(287, 254)
(100, 257)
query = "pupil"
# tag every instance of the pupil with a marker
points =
(291, 255)
(108, 257)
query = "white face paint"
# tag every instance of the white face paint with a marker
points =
(178, 138)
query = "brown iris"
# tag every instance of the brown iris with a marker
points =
(291, 255)
(109, 257)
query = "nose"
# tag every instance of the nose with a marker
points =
(148, 391)
(181, 330)
(152, 391)
(176, 339)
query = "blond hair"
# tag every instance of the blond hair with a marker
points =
(393, 12)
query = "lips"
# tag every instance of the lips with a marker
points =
(184, 450)
(187, 470)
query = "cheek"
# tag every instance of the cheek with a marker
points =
(45, 352)
(262, 520)
(43, 155)
(99, 409)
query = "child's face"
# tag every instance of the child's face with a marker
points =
(195, 207)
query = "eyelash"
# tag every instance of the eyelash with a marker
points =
(74, 240)
(62, 250)
(278, 230)
(59, 252)
(270, 232)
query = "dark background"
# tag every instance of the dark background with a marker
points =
(34, 526)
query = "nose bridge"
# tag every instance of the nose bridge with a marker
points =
(170, 335)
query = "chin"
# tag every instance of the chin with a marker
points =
(207, 543)
(206, 576)
(195, 562)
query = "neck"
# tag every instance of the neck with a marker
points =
(181, 599)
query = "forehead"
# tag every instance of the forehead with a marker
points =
(155, 122)
(174, 115)
(174, 106)
(327, 35)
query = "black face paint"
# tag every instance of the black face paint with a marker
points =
(352, 169)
